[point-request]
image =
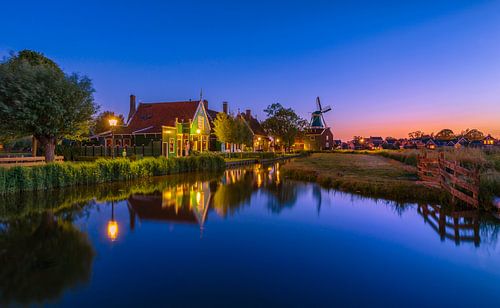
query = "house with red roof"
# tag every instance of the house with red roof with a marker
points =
(181, 127)
(261, 141)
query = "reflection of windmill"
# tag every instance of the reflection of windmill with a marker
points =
(317, 119)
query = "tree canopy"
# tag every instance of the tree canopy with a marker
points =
(473, 134)
(445, 134)
(283, 123)
(37, 98)
(230, 129)
(223, 128)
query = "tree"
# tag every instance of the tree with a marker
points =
(473, 134)
(283, 123)
(445, 134)
(416, 134)
(37, 98)
(224, 128)
(101, 122)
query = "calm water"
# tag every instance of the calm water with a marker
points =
(247, 237)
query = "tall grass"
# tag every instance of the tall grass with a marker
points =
(58, 175)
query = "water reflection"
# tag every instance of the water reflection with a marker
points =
(41, 256)
(43, 253)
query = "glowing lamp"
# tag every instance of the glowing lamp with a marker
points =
(113, 122)
(198, 131)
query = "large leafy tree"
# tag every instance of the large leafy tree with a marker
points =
(445, 134)
(37, 98)
(224, 128)
(101, 121)
(283, 123)
(473, 134)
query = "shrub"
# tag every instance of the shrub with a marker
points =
(58, 175)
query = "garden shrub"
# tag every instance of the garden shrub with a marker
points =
(58, 175)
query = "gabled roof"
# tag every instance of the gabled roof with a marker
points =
(254, 125)
(150, 117)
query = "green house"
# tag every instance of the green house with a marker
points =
(181, 127)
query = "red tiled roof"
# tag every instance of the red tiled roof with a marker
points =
(150, 117)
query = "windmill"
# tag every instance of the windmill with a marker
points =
(317, 119)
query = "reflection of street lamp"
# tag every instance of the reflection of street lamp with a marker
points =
(112, 124)
(112, 224)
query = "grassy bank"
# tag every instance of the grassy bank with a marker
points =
(59, 175)
(367, 175)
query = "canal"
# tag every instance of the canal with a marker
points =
(246, 237)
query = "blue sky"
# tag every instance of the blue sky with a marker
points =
(386, 67)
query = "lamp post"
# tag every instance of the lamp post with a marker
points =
(112, 124)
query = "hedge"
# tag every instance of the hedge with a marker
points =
(58, 175)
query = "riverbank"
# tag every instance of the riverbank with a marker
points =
(367, 175)
(59, 175)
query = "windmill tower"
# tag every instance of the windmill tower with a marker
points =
(317, 119)
(318, 134)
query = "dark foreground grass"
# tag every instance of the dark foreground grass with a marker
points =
(367, 175)
(59, 175)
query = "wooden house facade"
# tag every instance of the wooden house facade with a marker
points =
(181, 127)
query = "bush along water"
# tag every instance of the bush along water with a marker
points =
(58, 175)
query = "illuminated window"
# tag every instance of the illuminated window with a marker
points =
(201, 122)
(171, 145)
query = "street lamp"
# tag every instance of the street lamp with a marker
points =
(112, 124)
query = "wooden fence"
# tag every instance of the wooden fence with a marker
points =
(152, 149)
(460, 182)
(25, 161)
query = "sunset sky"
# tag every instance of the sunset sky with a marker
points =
(386, 67)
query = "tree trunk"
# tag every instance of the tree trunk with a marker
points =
(49, 145)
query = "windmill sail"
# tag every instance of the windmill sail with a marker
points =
(317, 119)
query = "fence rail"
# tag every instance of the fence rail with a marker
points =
(26, 161)
(152, 149)
(460, 182)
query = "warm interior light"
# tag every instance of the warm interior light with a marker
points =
(198, 131)
(112, 230)
(198, 198)
(258, 138)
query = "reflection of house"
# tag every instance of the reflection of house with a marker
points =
(186, 203)
(458, 226)
(260, 137)
(181, 127)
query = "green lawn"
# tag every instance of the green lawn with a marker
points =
(369, 175)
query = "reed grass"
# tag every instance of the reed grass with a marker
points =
(58, 175)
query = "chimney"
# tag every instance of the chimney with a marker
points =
(132, 107)
(224, 107)
(248, 114)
